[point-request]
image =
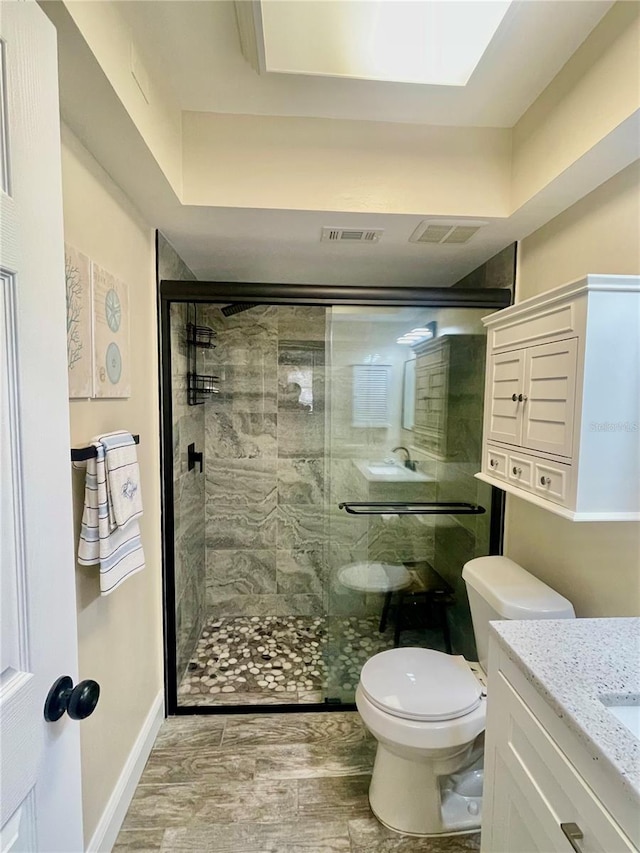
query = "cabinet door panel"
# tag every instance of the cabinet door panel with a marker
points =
(505, 413)
(537, 771)
(514, 824)
(549, 383)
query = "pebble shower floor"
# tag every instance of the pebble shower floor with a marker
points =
(257, 660)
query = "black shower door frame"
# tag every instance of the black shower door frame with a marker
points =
(171, 291)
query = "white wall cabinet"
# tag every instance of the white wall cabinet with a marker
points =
(540, 780)
(562, 401)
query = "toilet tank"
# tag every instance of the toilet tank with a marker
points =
(498, 589)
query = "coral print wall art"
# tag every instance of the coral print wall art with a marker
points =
(77, 271)
(111, 335)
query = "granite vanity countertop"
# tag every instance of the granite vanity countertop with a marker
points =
(577, 663)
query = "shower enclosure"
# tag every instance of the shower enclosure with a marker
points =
(319, 498)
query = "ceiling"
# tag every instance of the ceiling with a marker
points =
(194, 49)
(194, 46)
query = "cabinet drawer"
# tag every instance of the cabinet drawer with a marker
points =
(552, 481)
(551, 786)
(496, 463)
(520, 471)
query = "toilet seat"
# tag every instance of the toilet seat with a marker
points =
(420, 684)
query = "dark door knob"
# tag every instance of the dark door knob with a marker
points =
(79, 701)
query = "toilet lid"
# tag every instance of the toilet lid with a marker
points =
(420, 684)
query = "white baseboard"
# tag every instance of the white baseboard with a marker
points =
(114, 813)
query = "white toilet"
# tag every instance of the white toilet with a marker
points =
(427, 709)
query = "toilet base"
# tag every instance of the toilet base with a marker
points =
(444, 834)
(412, 797)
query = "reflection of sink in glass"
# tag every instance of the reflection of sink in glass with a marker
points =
(391, 473)
(627, 714)
(384, 470)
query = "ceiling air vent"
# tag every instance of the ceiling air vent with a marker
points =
(351, 235)
(445, 231)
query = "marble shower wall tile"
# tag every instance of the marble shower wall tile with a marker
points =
(346, 483)
(240, 435)
(401, 538)
(231, 604)
(301, 572)
(252, 527)
(248, 388)
(301, 435)
(346, 532)
(239, 483)
(300, 527)
(234, 573)
(299, 605)
(301, 323)
(244, 332)
(301, 481)
(265, 463)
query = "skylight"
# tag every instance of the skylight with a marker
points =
(404, 41)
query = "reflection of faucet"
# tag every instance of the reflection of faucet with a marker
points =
(408, 462)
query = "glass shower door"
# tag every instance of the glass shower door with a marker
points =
(404, 428)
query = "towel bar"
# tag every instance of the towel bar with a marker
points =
(411, 508)
(81, 454)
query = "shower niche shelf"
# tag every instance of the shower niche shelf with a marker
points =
(200, 386)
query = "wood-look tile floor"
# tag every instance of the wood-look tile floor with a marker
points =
(264, 783)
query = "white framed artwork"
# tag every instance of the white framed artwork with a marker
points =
(77, 273)
(111, 334)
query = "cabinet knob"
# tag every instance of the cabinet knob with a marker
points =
(544, 481)
(573, 834)
(517, 471)
(493, 463)
(514, 397)
(522, 398)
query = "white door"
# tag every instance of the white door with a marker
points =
(40, 793)
(549, 397)
(505, 393)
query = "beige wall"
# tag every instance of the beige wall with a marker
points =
(156, 116)
(596, 566)
(338, 165)
(599, 234)
(120, 635)
(595, 91)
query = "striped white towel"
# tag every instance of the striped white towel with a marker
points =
(123, 478)
(118, 550)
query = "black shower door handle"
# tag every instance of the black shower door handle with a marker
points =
(194, 458)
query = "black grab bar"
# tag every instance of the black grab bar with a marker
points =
(81, 454)
(412, 508)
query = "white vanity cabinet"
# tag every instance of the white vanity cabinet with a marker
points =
(562, 399)
(543, 791)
